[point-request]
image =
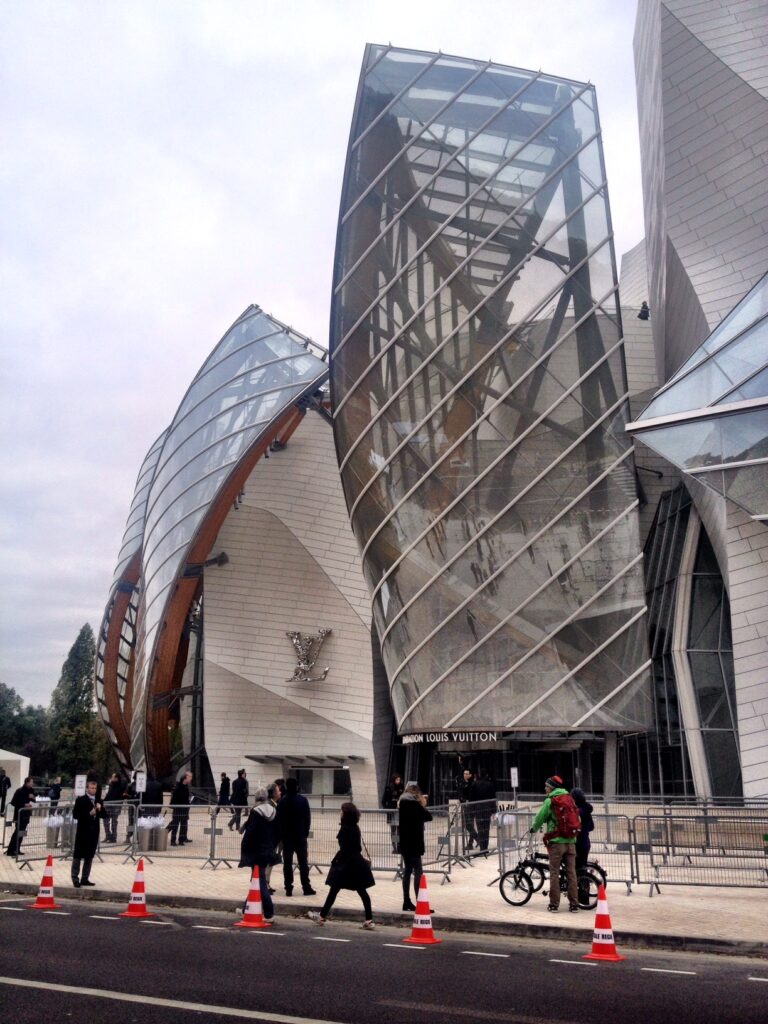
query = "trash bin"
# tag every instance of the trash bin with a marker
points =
(159, 839)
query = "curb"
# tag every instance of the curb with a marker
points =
(470, 926)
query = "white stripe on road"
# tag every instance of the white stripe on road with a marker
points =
(148, 920)
(471, 952)
(581, 963)
(756, 979)
(211, 927)
(327, 938)
(173, 1004)
(663, 970)
(396, 945)
(101, 917)
(10, 908)
(61, 913)
(261, 931)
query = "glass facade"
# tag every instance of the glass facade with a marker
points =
(723, 389)
(258, 370)
(479, 399)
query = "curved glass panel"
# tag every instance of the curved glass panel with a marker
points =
(478, 389)
(257, 371)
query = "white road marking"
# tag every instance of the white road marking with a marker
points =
(472, 952)
(750, 978)
(664, 970)
(10, 908)
(173, 1004)
(328, 938)
(148, 920)
(210, 927)
(396, 945)
(61, 913)
(581, 963)
(101, 917)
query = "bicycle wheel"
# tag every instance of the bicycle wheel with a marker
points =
(537, 873)
(596, 869)
(589, 887)
(515, 887)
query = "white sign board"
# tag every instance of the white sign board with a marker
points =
(80, 785)
(141, 782)
(513, 777)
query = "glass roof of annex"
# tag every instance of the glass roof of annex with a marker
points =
(711, 419)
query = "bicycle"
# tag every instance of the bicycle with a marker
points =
(517, 886)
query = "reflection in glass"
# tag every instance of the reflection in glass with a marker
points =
(479, 399)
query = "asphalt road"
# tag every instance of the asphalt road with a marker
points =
(297, 973)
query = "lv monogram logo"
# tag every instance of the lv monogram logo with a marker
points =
(307, 647)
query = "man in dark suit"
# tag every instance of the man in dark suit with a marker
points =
(87, 811)
(21, 801)
(293, 822)
(239, 798)
(180, 801)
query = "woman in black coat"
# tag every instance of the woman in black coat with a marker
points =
(583, 842)
(413, 816)
(349, 868)
(87, 811)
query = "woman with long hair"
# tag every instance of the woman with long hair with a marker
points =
(413, 816)
(349, 868)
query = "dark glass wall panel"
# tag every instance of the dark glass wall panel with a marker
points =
(479, 398)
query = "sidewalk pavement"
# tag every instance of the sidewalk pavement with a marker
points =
(707, 919)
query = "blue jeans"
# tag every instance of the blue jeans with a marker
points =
(268, 907)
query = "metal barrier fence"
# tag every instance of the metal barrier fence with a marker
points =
(711, 849)
(689, 846)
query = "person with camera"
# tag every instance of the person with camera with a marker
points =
(414, 815)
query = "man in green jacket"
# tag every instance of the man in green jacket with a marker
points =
(559, 848)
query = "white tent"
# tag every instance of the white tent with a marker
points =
(16, 768)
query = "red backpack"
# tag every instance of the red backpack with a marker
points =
(567, 816)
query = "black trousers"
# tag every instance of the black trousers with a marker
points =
(86, 862)
(179, 823)
(334, 892)
(299, 848)
(411, 866)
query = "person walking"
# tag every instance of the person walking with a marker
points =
(294, 819)
(180, 801)
(21, 802)
(5, 785)
(413, 817)
(239, 798)
(583, 842)
(113, 799)
(466, 798)
(87, 812)
(225, 789)
(561, 849)
(349, 868)
(257, 848)
(389, 798)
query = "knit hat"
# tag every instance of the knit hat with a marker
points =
(554, 782)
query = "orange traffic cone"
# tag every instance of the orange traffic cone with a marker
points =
(45, 899)
(421, 933)
(253, 917)
(137, 904)
(603, 946)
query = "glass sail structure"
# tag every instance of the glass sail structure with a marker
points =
(479, 399)
(711, 419)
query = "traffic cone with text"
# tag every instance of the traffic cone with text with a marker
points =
(137, 904)
(253, 916)
(45, 900)
(421, 933)
(603, 945)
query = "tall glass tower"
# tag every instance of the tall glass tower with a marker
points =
(479, 399)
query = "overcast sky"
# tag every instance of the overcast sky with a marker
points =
(165, 164)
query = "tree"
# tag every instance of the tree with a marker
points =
(77, 739)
